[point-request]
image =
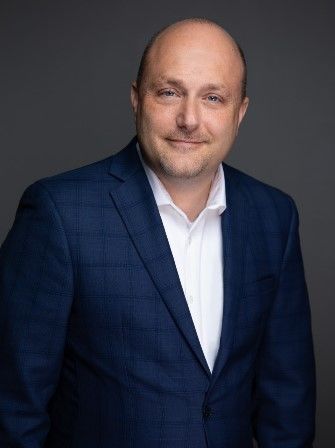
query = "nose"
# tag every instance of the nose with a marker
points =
(188, 115)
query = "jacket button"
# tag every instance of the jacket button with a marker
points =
(206, 412)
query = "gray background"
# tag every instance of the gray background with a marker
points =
(66, 69)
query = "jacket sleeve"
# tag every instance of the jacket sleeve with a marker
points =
(36, 290)
(285, 378)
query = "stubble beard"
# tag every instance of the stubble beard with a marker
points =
(164, 161)
(190, 169)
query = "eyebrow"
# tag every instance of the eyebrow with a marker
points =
(179, 83)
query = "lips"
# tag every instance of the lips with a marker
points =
(185, 142)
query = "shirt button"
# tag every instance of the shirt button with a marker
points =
(190, 299)
(189, 240)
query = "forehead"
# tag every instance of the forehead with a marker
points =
(195, 53)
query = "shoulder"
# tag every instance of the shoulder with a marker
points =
(71, 184)
(89, 173)
(269, 202)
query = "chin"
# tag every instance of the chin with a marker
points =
(181, 171)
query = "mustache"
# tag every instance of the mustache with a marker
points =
(188, 137)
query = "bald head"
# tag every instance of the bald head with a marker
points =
(189, 100)
(193, 31)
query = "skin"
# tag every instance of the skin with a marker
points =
(188, 109)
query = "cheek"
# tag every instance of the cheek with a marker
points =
(157, 118)
(222, 126)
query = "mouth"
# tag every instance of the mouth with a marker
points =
(184, 143)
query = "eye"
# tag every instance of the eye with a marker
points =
(167, 93)
(214, 98)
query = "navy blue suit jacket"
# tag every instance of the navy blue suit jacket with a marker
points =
(97, 344)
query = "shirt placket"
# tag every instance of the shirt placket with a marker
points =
(192, 276)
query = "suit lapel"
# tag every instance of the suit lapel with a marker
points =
(234, 231)
(136, 204)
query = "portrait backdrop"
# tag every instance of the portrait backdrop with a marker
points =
(66, 69)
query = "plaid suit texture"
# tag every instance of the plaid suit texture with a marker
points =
(97, 345)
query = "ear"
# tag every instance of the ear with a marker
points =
(134, 96)
(242, 110)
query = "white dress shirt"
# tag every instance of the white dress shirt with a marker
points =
(198, 254)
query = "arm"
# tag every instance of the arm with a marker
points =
(36, 285)
(285, 378)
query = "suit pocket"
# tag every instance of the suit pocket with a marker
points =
(256, 299)
(262, 285)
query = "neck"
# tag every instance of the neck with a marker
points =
(190, 195)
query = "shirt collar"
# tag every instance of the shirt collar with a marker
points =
(216, 198)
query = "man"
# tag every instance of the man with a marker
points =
(157, 298)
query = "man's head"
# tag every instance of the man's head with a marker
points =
(189, 98)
